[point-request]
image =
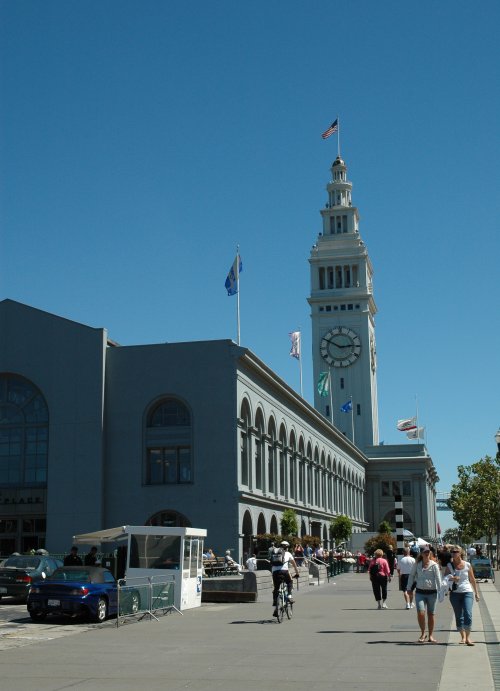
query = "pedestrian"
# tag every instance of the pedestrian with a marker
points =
(426, 575)
(251, 563)
(91, 557)
(404, 566)
(379, 573)
(461, 595)
(72, 559)
(298, 554)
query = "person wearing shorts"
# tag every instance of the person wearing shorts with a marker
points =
(427, 576)
(405, 565)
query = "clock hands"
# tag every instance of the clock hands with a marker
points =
(338, 345)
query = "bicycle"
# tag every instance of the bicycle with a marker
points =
(283, 604)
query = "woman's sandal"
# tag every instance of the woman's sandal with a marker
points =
(422, 638)
(432, 639)
(469, 643)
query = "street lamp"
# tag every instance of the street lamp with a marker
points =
(497, 439)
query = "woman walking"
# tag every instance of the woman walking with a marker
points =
(461, 594)
(427, 576)
(379, 572)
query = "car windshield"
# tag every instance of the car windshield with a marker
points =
(81, 576)
(22, 562)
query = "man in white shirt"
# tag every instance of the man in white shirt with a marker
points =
(404, 566)
(280, 571)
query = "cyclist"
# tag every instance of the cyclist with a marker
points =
(281, 558)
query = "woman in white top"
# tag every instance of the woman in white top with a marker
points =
(461, 594)
(427, 576)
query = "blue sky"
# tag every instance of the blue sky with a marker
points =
(142, 141)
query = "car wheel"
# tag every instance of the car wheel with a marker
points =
(37, 616)
(135, 603)
(102, 610)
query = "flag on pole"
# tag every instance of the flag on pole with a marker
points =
(416, 433)
(231, 283)
(347, 407)
(331, 130)
(405, 425)
(295, 349)
(323, 384)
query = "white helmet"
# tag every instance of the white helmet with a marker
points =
(284, 543)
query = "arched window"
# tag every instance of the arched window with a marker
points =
(245, 449)
(24, 428)
(168, 444)
(169, 519)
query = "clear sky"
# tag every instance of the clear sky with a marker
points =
(141, 141)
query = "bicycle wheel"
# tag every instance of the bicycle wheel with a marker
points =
(280, 606)
(289, 609)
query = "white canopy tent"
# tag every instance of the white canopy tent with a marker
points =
(101, 536)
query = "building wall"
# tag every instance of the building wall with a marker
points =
(202, 376)
(65, 360)
(403, 463)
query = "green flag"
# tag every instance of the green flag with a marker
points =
(324, 384)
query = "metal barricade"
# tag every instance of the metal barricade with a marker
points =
(145, 596)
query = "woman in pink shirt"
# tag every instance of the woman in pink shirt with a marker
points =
(379, 572)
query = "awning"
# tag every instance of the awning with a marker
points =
(406, 533)
(109, 535)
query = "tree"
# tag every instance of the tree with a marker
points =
(383, 541)
(454, 536)
(289, 523)
(475, 500)
(385, 527)
(341, 529)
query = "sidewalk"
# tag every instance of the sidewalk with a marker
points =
(336, 639)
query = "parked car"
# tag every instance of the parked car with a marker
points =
(19, 573)
(90, 591)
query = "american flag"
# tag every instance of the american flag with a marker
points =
(333, 128)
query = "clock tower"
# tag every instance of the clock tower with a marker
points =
(343, 316)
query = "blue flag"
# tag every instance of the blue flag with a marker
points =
(347, 407)
(233, 276)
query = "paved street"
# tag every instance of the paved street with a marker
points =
(336, 638)
(17, 629)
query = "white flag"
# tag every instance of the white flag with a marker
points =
(416, 433)
(295, 349)
(405, 425)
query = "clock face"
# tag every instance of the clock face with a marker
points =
(340, 347)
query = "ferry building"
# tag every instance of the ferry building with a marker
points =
(95, 435)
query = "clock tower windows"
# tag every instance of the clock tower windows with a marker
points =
(339, 276)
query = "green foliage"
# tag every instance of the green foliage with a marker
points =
(475, 499)
(289, 522)
(385, 527)
(383, 541)
(341, 528)
(455, 536)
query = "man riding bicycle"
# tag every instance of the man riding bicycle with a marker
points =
(280, 559)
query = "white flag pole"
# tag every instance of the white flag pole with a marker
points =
(338, 136)
(238, 292)
(416, 417)
(300, 362)
(331, 391)
(352, 420)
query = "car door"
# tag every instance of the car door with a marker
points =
(112, 590)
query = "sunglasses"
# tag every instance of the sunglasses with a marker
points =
(455, 551)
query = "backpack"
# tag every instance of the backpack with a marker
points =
(374, 569)
(277, 557)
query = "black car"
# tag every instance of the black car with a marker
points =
(18, 573)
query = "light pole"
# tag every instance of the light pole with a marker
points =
(497, 439)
